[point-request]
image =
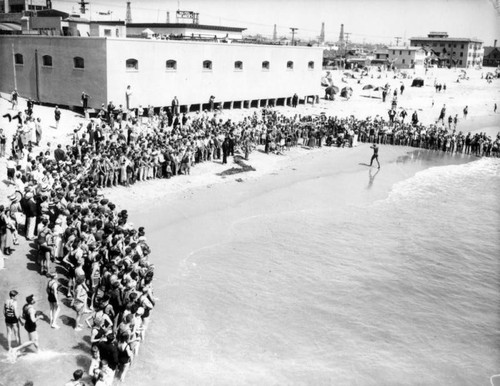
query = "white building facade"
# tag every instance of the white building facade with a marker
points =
(56, 69)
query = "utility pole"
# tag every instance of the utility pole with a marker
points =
(293, 34)
(398, 38)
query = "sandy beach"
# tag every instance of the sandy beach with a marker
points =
(187, 214)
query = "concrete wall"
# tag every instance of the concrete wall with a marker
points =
(62, 83)
(153, 84)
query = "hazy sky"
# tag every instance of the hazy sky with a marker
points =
(369, 20)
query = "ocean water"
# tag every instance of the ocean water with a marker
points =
(402, 290)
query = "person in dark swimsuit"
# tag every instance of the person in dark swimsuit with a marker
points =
(12, 318)
(52, 298)
(30, 316)
(375, 154)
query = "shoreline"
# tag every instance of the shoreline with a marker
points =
(203, 220)
(189, 225)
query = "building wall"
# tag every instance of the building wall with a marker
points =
(108, 30)
(61, 83)
(404, 58)
(153, 84)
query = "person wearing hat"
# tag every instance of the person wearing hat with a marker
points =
(12, 318)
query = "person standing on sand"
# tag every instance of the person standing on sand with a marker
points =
(495, 108)
(30, 317)
(466, 111)
(52, 286)
(57, 116)
(12, 318)
(375, 154)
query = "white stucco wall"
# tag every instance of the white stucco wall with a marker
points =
(153, 84)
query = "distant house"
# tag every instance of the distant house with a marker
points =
(406, 57)
(380, 57)
(491, 57)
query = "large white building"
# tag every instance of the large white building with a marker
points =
(449, 51)
(56, 69)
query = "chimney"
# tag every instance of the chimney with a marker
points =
(341, 36)
(495, 43)
(6, 6)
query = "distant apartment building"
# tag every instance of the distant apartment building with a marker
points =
(18, 6)
(406, 57)
(446, 51)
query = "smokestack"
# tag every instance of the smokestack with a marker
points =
(495, 43)
(341, 36)
(275, 34)
(322, 33)
(168, 17)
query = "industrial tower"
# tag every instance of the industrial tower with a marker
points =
(322, 34)
(128, 18)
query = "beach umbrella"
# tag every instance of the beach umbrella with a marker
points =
(368, 87)
(330, 91)
(346, 92)
(379, 88)
(417, 82)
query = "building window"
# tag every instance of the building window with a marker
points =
(462, 46)
(409, 52)
(19, 59)
(78, 62)
(132, 65)
(238, 65)
(460, 62)
(310, 65)
(461, 54)
(412, 61)
(394, 52)
(404, 61)
(171, 65)
(47, 61)
(400, 52)
(289, 65)
(265, 65)
(207, 65)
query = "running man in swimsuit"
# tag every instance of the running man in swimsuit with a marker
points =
(375, 154)
(12, 318)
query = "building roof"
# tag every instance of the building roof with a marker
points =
(468, 40)
(185, 25)
(51, 13)
(407, 48)
(490, 50)
(10, 27)
(108, 22)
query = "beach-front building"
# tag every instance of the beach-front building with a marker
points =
(56, 69)
(448, 51)
(491, 56)
(406, 57)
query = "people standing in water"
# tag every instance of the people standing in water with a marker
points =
(375, 154)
